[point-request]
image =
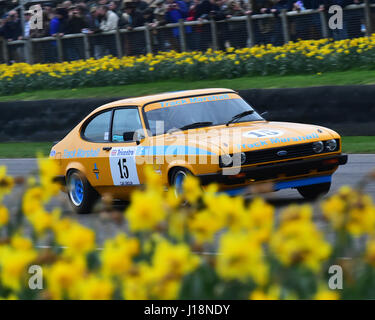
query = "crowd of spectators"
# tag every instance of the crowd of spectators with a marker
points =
(95, 17)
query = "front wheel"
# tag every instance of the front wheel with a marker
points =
(178, 177)
(82, 195)
(314, 191)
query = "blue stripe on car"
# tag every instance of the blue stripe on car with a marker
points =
(171, 150)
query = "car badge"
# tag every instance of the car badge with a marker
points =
(282, 153)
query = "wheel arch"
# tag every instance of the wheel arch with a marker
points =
(75, 166)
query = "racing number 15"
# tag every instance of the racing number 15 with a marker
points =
(124, 171)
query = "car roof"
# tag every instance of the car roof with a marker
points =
(141, 101)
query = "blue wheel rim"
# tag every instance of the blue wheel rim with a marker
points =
(76, 190)
(179, 181)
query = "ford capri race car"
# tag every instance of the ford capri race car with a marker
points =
(212, 134)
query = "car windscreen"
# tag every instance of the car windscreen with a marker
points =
(215, 109)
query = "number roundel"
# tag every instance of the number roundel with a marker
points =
(263, 133)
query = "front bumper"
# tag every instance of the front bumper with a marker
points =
(291, 168)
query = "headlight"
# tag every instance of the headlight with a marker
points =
(226, 160)
(331, 145)
(318, 146)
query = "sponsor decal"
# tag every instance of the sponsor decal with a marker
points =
(81, 153)
(173, 103)
(294, 139)
(274, 140)
(53, 153)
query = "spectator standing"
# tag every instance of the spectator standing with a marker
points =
(59, 22)
(219, 8)
(26, 29)
(353, 20)
(140, 5)
(308, 27)
(57, 27)
(75, 24)
(12, 31)
(110, 19)
(108, 22)
(202, 12)
(236, 30)
(263, 28)
(41, 49)
(196, 30)
(115, 7)
(176, 10)
(159, 35)
(133, 18)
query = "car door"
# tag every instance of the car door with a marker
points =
(91, 151)
(122, 150)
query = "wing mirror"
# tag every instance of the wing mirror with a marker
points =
(264, 114)
(133, 136)
(138, 137)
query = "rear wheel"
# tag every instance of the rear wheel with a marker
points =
(314, 191)
(82, 195)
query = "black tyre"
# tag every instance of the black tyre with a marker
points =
(82, 195)
(315, 190)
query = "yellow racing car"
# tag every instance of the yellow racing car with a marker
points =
(212, 134)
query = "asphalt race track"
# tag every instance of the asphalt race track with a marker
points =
(350, 174)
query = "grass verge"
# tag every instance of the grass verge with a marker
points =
(353, 144)
(351, 77)
(24, 149)
(358, 144)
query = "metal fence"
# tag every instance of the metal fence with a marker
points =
(244, 31)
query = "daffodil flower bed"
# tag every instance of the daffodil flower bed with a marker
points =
(310, 56)
(161, 252)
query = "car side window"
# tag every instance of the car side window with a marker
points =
(98, 128)
(125, 120)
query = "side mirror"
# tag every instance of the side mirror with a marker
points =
(264, 113)
(138, 137)
(128, 136)
(133, 136)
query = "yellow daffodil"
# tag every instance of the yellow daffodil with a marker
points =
(146, 211)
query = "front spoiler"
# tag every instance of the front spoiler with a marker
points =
(284, 185)
(286, 169)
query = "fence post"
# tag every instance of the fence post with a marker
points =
(324, 24)
(27, 49)
(148, 39)
(367, 9)
(5, 51)
(86, 45)
(213, 34)
(284, 22)
(181, 30)
(250, 31)
(118, 43)
(60, 52)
